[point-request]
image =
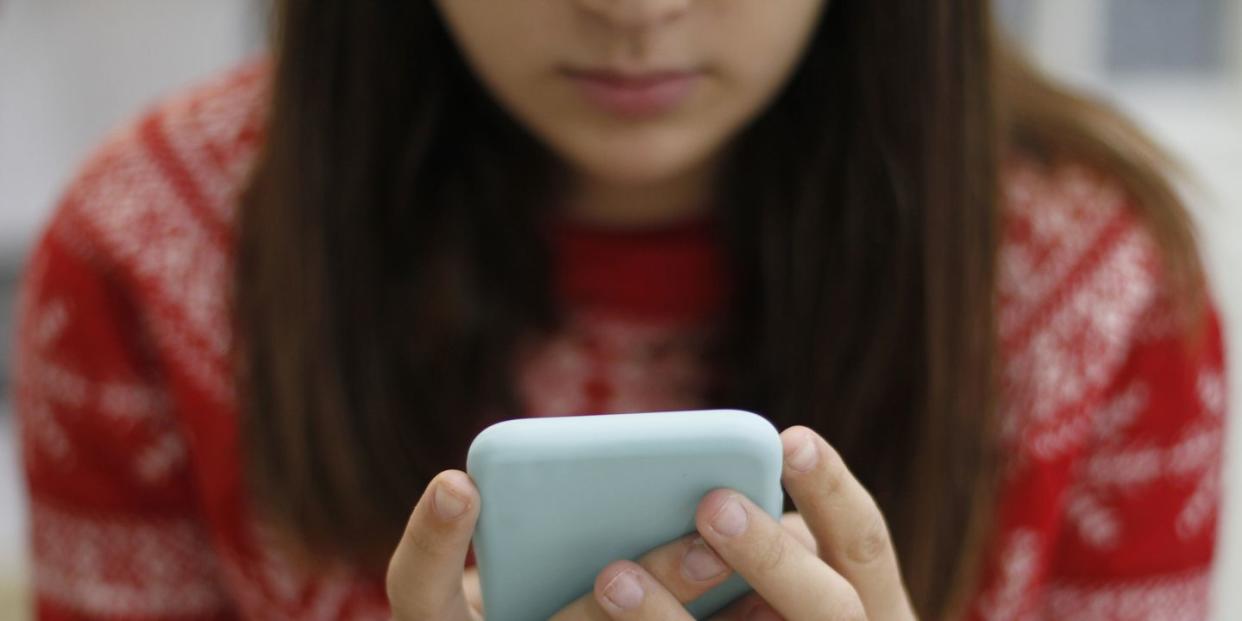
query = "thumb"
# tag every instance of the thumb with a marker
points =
(425, 573)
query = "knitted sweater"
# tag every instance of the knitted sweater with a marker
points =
(129, 421)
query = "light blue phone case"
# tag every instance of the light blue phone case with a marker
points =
(562, 497)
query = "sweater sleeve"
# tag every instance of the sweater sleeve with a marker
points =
(113, 527)
(1112, 414)
(1139, 519)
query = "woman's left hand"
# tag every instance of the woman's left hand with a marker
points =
(854, 576)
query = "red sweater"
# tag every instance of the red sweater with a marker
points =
(129, 425)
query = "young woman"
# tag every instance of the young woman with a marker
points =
(267, 318)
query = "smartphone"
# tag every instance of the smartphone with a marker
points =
(561, 497)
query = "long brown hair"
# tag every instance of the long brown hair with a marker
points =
(390, 263)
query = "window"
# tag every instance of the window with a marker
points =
(1182, 36)
(1102, 42)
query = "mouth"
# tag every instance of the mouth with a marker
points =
(634, 95)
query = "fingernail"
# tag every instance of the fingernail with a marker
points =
(449, 502)
(700, 563)
(730, 518)
(800, 452)
(624, 591)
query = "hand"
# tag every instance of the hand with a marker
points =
(854, 575)
(426, 576)
(667, 565)
(426, 579)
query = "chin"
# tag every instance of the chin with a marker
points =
(636, 165)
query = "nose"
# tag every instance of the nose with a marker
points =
(637, 13)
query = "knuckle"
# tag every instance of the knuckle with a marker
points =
(870, 544)
(771, 552)
(852, 612)
(404, 607)
(396, 579)
(835, 473)
(422, 544)
(410, 612)
(665, 560)
(400, 594)
(392, 588)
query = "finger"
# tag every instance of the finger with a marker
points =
(796, 526)
(686, 567)
(796, 583)
(473, 590)
(425, 573)
(625, 591)
(845, 521)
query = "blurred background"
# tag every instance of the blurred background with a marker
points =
(72, 69)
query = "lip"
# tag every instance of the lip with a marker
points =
(634, 95)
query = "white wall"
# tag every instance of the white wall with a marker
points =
(1207, 133)
(72, 69)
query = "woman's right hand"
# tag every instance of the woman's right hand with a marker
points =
(427, 580)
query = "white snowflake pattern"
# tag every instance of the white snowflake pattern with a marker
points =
(1076, 352)
(269, 584)
(1020, 564)
(1118, 467)
(1180, 597)
(124, 567)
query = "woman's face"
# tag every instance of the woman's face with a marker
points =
(633, 92)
